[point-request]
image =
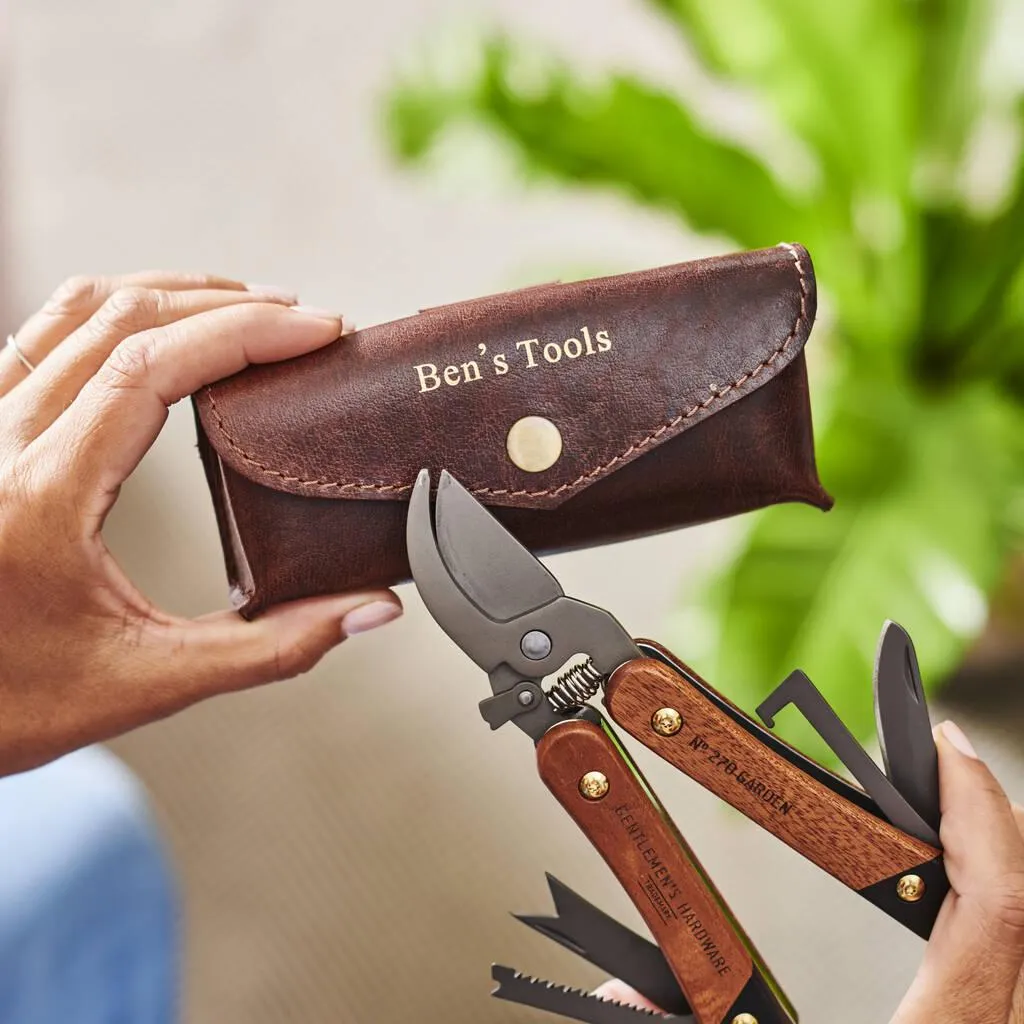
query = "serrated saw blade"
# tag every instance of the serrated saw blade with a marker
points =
(570, 1002)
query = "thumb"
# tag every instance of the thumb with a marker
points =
(222, 652)
(983, 848)
(976, 951)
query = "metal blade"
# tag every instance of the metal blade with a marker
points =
(904, 728)
(517, 653)
(602, 941)
(455, 613)
(798, 690)
(570, 1002)
(489, 564)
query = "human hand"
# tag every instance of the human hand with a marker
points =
(83, 654)
(973, 966)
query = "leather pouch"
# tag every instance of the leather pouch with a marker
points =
(581, 413)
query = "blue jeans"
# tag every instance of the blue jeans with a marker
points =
(88, 910)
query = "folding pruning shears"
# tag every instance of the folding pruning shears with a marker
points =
(509, 614)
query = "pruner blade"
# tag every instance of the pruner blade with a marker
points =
(496, 572)
(500, 605)
(570, 1002)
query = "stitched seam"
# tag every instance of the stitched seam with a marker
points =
(718, 392)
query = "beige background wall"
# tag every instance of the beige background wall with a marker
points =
(350, 844)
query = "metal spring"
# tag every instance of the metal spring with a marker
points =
(575, 687)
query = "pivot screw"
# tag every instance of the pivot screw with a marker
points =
(525, 698)
(910, 888)
(744, 1018)
(536, 645)
(666, 721)
(594, 786)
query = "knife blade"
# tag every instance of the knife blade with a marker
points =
(904, 727)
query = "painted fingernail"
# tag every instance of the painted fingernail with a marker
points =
(956, 737)
(370, 616)
(320, 314)
(272, 293)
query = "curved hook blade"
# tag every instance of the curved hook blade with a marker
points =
(451, 607)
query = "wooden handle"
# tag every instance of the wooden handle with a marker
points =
(710, 956)
(843, 839)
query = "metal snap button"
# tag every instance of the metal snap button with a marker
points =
(534, 444)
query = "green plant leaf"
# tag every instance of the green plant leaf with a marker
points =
(918, 535)
(954, 35)
(972, 316)
(887, 94)
(619, 133)
(996, 350)
(840, 75)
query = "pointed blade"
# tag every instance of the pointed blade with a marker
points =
(501, 577)
(569, 1002)
(602, 941)
(904, 728)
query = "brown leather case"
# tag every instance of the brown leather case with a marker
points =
(679, 395)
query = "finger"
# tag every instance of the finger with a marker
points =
(1017, 1014)
(119, 412)
(55, 383)
(79, 298)
(981, 838)
(976, 951)
(620, 992)
(157, 665)
(222, 653)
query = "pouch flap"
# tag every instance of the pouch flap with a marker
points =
(601, 371)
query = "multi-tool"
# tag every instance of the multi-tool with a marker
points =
(509, 614)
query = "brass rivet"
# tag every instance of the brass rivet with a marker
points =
(910, 888)
(534, 444)
(666, 721)
(594, 785)
(744, 1018)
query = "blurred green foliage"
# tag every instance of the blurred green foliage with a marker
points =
(920, 419)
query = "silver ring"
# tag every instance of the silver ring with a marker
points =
(12, 342)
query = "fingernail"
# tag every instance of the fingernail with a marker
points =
(370, 616)
(273, 293)
(956, 737)
(347, 327)
(320, 314)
